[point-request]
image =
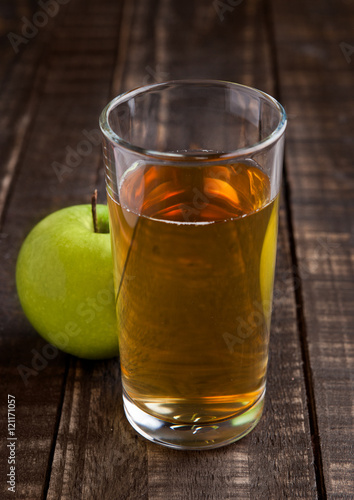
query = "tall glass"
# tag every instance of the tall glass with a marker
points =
(193, 171)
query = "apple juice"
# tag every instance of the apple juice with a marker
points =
(194, 255)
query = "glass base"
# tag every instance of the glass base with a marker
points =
(193, 437)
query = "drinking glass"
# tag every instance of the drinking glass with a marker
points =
(193, 172)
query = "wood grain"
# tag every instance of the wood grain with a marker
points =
(73, 439)
(316, 86)
(61, 112)
(97, 453)
(276, 459)
(21, 74)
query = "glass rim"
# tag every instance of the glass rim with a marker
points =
(114, 138)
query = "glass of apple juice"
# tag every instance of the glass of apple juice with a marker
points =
(193, 172)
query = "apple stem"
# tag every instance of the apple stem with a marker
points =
(94, 212)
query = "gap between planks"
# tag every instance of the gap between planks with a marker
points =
(56, 428)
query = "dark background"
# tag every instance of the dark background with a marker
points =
(57, 71)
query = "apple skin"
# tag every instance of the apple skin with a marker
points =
(64, 278)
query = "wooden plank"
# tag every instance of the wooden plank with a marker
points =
(11, 26)
(90, 459)
(97, 453)
(275, 461)
(61, 114)
(21, 75)
(316, 85)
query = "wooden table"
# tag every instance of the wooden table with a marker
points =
(73, 441)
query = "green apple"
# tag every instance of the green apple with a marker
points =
(64, 278)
